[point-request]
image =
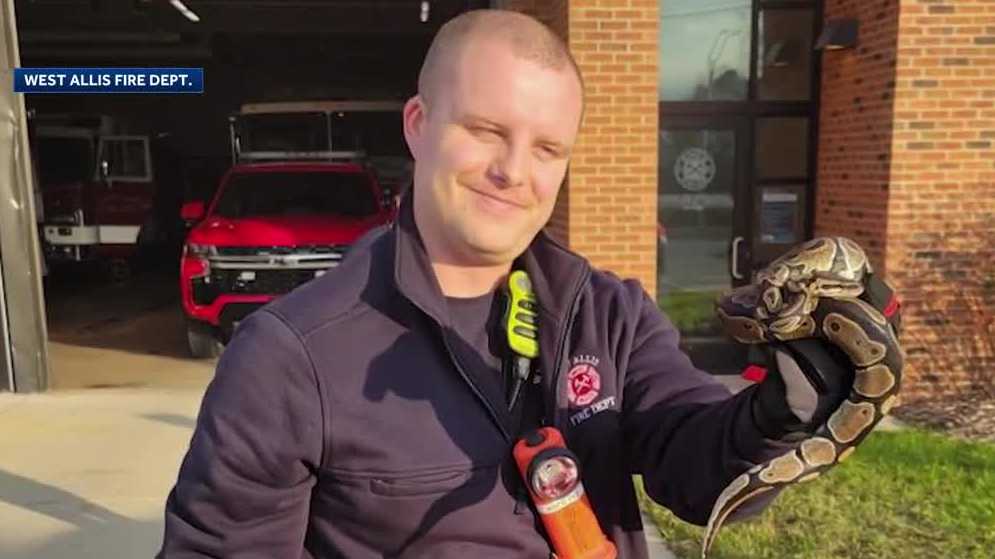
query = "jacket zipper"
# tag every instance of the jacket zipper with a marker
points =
(466, 378)
(562, 346)
(476, 390)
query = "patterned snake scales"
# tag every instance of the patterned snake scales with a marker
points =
(812, 291)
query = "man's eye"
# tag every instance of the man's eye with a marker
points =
(484, 131)
(549, 151)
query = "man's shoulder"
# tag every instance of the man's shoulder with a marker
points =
(343, 291)
(606, 285)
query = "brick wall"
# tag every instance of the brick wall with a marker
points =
(855, 133)
(941, 233)
(907, 167)
(607, 210)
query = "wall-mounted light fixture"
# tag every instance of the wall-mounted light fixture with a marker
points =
(423, 15)
(838, 34)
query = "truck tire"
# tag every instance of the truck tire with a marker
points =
(202, 341)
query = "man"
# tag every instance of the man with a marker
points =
(365, 415)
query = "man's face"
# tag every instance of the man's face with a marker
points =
(491, 148)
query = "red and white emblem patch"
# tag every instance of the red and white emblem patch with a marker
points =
(584, 384)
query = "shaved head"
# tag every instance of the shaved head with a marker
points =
(527, 37)
(498, 110)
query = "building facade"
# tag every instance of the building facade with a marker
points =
(720, 132)
(717, 134)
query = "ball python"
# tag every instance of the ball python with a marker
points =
(814, 290)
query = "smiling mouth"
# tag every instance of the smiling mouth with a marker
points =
(497, 199)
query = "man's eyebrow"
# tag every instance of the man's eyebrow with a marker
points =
(472, 117)
(542, 139)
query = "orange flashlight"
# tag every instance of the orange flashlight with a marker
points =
(552, 475)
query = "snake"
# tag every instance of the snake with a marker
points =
(814, 291)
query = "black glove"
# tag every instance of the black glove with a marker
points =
(808, 379)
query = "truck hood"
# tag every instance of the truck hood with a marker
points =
(282, 230)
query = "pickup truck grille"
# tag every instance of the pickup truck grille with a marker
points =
(263, 270)
(281, 251)
(260, 282)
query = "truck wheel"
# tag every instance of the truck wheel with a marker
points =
(201, 340)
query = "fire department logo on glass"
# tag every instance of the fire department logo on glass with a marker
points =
(694, 169)
(584, 384)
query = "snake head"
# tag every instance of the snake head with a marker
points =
(779, 303)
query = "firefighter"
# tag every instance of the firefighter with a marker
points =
(367, 413)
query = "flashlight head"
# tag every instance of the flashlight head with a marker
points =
(554, 477)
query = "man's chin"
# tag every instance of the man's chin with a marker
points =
(489, 252)
(492, 256)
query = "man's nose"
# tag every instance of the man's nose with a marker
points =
(511, 168)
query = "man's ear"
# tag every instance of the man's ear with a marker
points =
(414, 117)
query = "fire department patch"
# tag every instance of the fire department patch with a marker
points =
(583, 384)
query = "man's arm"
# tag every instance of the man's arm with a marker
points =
(684, 432)
(245, 484)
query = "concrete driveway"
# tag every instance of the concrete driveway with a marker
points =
(86, 473)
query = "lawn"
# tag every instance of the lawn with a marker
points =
(693, 312)
(902, 494)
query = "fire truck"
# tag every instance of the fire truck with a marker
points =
(367, 131)
(302, 189)
(97, 188)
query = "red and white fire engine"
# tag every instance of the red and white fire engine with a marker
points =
(97, 185)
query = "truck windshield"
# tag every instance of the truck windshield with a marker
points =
(64, 160)
(283, 132)
(301, 193)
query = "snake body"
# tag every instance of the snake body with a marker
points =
(813, 291)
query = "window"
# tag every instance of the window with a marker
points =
(127, 158)
(283, 132)
(784, 55)
(63, 160)
(704, 50)
(347, 195)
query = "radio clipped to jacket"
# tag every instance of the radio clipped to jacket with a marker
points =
(551, 472)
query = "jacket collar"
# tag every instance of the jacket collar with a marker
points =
(555, 271)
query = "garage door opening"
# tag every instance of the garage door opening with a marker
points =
(117, 176)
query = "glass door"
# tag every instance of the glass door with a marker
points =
(704, 213)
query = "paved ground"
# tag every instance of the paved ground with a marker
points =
(86, 467)
(84, 474)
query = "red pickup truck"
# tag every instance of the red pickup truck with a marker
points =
(270, 228)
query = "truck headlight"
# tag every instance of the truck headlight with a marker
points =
(195, 263)
(195, 250)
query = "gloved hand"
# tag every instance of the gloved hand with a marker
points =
(807, 379)
(829, 328)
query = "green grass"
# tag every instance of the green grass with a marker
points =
(909, 494)
(691, 311)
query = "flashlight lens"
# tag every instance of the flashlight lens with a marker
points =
(555, 477)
